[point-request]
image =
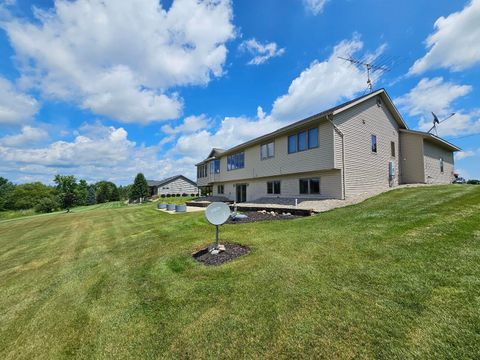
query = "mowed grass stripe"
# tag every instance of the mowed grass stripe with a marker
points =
(393, 277)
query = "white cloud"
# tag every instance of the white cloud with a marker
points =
(432, 95)
(96, 153)
(314, 6)
(466, 154)
(15, 106)
(454, 44)
(121, 58)
(261, 52)
(27, 137)
(322, 84)
(189, 125)
(439, 96)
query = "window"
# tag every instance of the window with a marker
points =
(220, 189)
(215, 167)
(392, 146)
(273, 187)
(313, 138)
(374, 143)
(310, 186)
(236, 161)
(292, 144)
(441, 165)
(202, 171)
(302, 141)
(267, 150)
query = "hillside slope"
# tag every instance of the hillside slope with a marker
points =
(397, 276)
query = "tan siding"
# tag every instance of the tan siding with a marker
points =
(283, 163)
(330, 186)
(366, 171)
(411, 155)
(432, 155)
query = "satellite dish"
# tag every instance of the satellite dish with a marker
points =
(217, 213)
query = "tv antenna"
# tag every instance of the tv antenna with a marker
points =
(436, 121)
(370, 66)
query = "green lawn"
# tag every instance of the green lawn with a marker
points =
(397, 276)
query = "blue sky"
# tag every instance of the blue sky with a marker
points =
(105, 89)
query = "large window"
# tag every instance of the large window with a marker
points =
(302, 141)
(220, 189)
(215, 167)
(313, 138)
(267, 150)
(374, 143)
(273, 187)
(236, 161)
(292, 144)
(310, 186)
(202, 171)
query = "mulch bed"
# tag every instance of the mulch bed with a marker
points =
(232, 251)
(254, 216)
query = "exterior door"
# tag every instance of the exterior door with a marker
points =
(241, 193)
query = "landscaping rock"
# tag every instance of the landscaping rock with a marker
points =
(231, 252)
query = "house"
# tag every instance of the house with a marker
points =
(360, 146)
(175, 185)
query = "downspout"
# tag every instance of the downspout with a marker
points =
(343, 153)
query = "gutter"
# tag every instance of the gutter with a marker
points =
(339, 132)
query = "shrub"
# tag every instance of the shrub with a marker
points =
(184, 194)
(162, 195)
(178, 195)
(168, 195)
(473, 182)
(46, 205)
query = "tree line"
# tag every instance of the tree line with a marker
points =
(67, 193)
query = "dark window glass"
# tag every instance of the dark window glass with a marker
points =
(236, 161)
(314, 186)
(220, 189)
(276, 187)
(269, 187)
(374, 143)
(392, 146)
(313, 138)
(302, 141)
(303, 186)
(441, 165)
(292, 144)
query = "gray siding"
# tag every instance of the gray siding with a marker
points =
(178, 186)
(432, 155)
(366, 171)
(411, 154)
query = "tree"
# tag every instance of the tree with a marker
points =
(91, 197)
(106, 191)
(66, 187)
(81, 193)
(140, 188)
(6, 187)
(124, 192)
(27, 196)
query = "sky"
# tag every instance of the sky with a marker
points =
(103, 89)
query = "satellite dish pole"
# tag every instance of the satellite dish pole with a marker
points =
(370, 66)
(436, 121)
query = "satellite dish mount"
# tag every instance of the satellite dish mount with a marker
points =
(217, 213)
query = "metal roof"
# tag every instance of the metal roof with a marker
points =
(169, 180)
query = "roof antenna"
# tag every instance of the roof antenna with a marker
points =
(371, 68)
(436, 121)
